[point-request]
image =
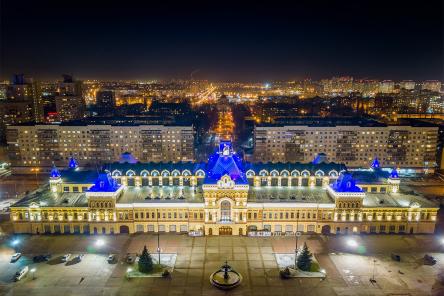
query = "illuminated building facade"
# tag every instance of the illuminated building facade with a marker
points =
(224, 196)
(354, 145)
(42, 145)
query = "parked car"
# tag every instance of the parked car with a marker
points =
(111, 258)
(16, 257)
(429, 260)
(66, 257)
(79, 257)
(41, 258)
(21, 273)
(396, 257)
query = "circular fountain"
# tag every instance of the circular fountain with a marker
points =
(225, 278)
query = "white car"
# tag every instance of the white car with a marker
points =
(111, 258)
(66, 257)
(21, 273)
(16, 257)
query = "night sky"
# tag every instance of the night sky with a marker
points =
(263, 41)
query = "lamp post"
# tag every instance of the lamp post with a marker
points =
(158, 234)
(296, 234)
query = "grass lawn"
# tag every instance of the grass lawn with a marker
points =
(314, 267)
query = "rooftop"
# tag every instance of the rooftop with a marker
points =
(43, 197)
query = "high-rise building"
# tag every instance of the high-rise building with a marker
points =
(354, 144)
(433, 85)
(41, 145)
(105, 99)
(70, 104)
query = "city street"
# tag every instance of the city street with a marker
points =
(349, 268)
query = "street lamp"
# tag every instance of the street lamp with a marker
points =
(100, 243)
(158, 234)
(352, 243)
(296, 234)
(15, 242)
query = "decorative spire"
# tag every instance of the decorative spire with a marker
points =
(375, 163)
(72, 163)
(394, 174)
(55, 173)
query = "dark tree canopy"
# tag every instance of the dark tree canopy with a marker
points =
(145, 261)
(304, 259)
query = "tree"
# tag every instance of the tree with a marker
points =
(145, 261)
(304, 259)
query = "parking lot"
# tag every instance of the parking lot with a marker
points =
(348, 269)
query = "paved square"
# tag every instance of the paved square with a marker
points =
(348, 272)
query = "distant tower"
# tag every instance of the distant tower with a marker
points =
(55, 180)
(394, 181)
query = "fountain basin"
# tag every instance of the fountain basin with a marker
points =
(225, 278)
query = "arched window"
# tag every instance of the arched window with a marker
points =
(225, 211)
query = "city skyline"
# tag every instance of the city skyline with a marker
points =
(223, 43)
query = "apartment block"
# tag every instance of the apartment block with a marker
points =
(355, 146)
(43, 145)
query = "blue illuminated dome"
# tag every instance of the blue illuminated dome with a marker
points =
(375, 163)
(225, 162)
(127, 157)
(394, 174)
(55, 173)
(104, 183)
(72, 163)
(346, 183)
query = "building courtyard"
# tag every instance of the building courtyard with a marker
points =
(348, 269)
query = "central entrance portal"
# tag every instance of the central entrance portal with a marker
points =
(225, 230)
(225, 211)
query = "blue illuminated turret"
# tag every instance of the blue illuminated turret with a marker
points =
(375, 163)
(346, 183)
(55, 173)
(72, 163)
(104, 183)
(394, 174)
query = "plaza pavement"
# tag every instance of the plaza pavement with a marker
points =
(348, 268)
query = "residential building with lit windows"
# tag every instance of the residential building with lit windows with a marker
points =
(224, 196)
(41, 145)
(355, 145)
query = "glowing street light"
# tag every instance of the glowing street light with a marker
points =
(352, 243)
(100, 243)
(15, 242)
(33, 272)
